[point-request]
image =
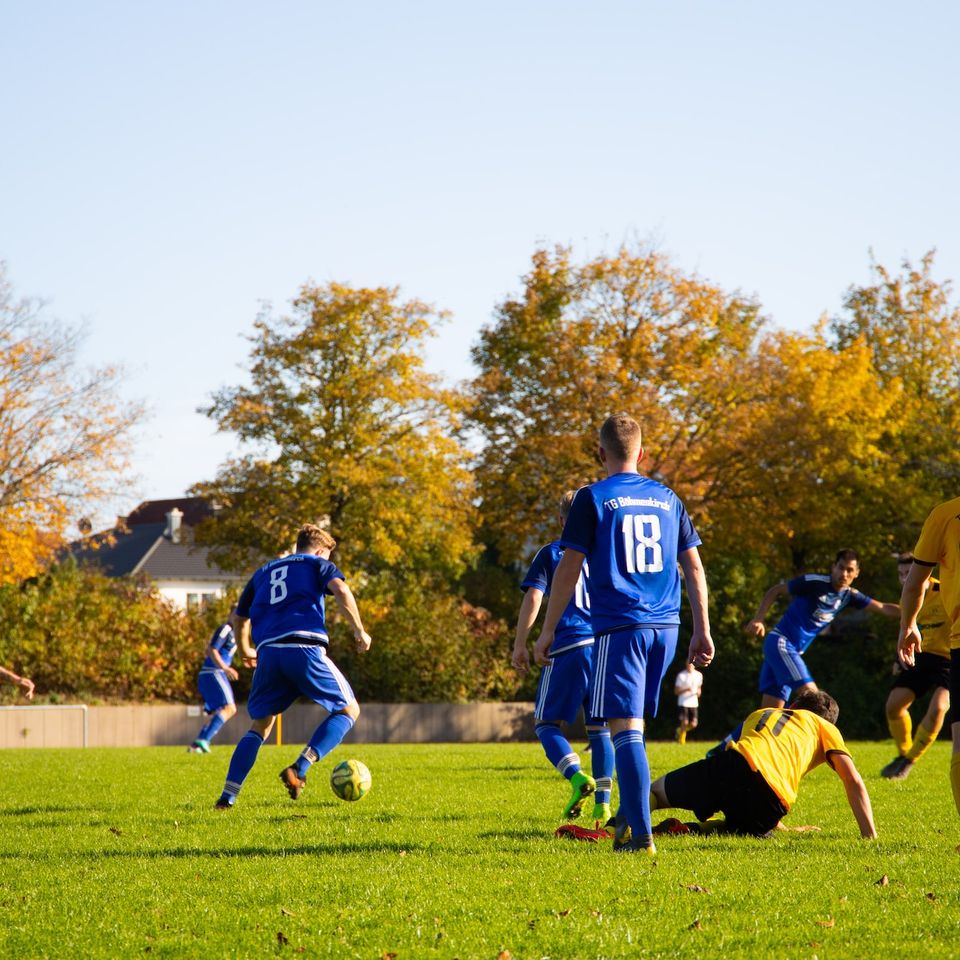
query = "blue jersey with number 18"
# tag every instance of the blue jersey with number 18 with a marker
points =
(632, 529)
(284, 599)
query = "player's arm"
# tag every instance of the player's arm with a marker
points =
(213, 651)
(701, 643)
(348, 607)
(24, 683)
(756, 627)
(891, 610)
(529, 608)
(857, 795)
(561, 590)
(241, 630)
(911, 599)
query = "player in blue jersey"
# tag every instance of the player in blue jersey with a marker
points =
(283, 603)
(214, 686)
(815, 601)
(633, 532)
(562, 688)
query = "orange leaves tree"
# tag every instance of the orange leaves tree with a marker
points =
(346, 427)
(64, 433)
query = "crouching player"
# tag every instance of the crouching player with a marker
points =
(284, 604)
(754, 782)
(562, 689)
(214, 686)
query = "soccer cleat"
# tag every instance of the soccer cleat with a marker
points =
(582, 786)
(638, 845)
(670, 826)
(570, 831)
(621, 830)
(893, 767)
(202, 746)
(600, 815)
(294, 785)
(903, 771)
(224, 803)
(193, 748)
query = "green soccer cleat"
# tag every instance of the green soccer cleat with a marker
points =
(600, 815)
(202, 746)
(582, 786)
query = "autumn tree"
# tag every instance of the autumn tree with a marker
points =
(344, 426)
(64, 433)
(625, 332)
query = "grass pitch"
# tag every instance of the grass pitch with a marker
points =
(118, 853)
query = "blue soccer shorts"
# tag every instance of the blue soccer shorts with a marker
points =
(628, 669)
(215, 689)
(286, 671)
(783, 667)
(562, 688)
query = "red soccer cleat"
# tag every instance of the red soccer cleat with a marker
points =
(670, 826)
(570, 831)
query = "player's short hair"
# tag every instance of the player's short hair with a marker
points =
(904, 559)
(310, 537)
(848, 554)
(819, 702)
(620, 436)
(566, 502)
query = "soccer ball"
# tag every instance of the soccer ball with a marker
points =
(350, 780)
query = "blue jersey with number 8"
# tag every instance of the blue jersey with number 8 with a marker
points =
(632, 529)
(284, 599)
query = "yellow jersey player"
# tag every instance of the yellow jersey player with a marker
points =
(754, 782)
(931, 671)
(939, 543)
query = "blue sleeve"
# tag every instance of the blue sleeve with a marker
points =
(222, 636)
(327, 571)
(799, 587)
(540, 573)
(688, 536)
(246, 600)
(859, 600)
(579, 532)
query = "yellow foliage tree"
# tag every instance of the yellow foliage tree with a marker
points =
(64, 434)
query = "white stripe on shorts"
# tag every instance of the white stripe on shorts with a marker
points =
(601, 650)
(340, 679)
(544, 687)
(782, 648)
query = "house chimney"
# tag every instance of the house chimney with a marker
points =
(172, 532)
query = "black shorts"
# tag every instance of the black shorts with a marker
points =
(726, 783)
(687, 714)
(928, 672)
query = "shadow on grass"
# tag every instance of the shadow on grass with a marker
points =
(514, 835)
(176, 853)
(30, 811)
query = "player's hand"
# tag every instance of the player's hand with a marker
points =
(27, 686)
(908, 645)
(755, 628)
(363, 641)
(521, 660)
(541, 647)
(701, 650)
(231, 673)
(250, 662)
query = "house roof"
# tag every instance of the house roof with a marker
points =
(139, 545)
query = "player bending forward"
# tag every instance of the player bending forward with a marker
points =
(284, 603)
(754, 782)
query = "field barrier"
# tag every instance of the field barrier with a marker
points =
(79, 725)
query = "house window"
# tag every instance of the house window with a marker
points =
(207, 599)
(193, 601)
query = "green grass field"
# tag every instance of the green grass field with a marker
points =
(118, 853)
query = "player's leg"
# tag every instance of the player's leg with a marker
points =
(560, 693)
(955, 726)
(934, 673)
(602, 761)
(322, 682)
(243, 759)
(224, 711)
(897, 709)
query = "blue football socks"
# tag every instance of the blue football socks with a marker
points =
(601, 757)
(213, 727)
(327, 736)
(557, 748)
(241, 763)
(633, 772)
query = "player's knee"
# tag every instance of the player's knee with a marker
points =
(352, 710)
(693, 722)
(228, 711)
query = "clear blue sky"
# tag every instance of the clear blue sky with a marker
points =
(167, 167)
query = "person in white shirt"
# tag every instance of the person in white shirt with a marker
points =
(687, 688)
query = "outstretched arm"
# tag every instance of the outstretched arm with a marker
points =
(884, 609)
(529, 608)
(24, 683)
(348, 607)
(857, 795)
(911, 598)
(561, 590)
(701, 643)
(756, 628)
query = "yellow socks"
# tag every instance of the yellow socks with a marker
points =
(681, 735)
(900, 731)
(922, 744)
